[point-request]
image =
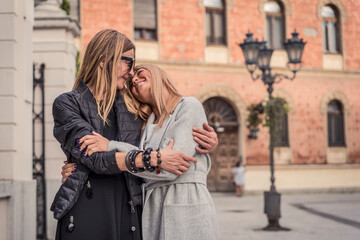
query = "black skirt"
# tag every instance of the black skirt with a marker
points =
(102, 212)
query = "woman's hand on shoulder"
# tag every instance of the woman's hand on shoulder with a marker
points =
(93, 143)
(174, 161)
(206, 138)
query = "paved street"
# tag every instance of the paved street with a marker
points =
(309, 216)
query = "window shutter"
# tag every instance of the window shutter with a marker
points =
(145, 14)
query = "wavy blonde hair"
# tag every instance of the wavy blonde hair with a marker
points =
(106, 46)
(159, 80)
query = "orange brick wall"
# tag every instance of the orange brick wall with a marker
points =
(351, 34)
(182, 39)
(97, 15)
(307, 125)
(182, 35)
(181, 30)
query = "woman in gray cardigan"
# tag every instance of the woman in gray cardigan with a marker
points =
(175, 207)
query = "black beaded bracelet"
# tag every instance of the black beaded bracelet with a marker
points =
(159, 161)
(133, 163)
(130, 161)
(146, 159)
(127, 161)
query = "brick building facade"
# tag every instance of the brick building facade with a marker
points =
(196, 41)
(217, 71)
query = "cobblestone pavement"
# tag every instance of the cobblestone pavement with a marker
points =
(309, 216)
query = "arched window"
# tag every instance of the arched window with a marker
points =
(145, 23)
(220, 113)
(335, 117)
(330, 29)
(215, 22)
(275, 24)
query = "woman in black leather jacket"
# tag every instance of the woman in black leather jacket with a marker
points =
(99, 201)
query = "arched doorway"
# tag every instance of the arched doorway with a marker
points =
(223, 118)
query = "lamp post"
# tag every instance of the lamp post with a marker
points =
(257, 55)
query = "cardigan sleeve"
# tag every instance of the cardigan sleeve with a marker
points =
(121, 146)
(69, 127)
(190, 114)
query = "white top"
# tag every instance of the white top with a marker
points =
(239, 175)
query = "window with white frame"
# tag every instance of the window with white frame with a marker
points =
(330, 29)
(145, 22)
(215, 23)
(275, 24)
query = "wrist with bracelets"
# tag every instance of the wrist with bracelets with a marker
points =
(130, 161)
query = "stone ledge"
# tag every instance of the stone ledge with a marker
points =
(5, 188)
(307, 191)
(216, 54)
(147, 50)
(64, 22)
(306, 166)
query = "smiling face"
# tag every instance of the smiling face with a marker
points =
(151, 90)
(125, 69)
(140, 86)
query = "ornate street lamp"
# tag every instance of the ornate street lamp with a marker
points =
(257, 55)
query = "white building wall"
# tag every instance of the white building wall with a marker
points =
(17, 188)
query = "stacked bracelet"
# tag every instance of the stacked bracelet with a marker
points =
(130, 161)
(158, 166)
(127, 161)
(146, 159)
(133, 163)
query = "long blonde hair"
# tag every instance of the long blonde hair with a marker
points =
(106, 46)
(159, 80)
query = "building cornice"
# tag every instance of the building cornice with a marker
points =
(241, 69)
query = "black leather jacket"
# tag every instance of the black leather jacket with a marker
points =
(75, 115)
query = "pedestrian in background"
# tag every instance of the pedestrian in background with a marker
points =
(239, 178)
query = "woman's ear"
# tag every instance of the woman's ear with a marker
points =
(102, 63)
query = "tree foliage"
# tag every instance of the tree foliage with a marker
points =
(65, 6)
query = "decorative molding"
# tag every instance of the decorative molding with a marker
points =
(334, 95)
(5, 189)
(49, 8)
(229, 4)
(225, 91)
(48, 15)
(336, 155)
(337, 3)
(286, 4)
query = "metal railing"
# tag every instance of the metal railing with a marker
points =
(38, 110)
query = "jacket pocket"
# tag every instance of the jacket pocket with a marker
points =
(188, 222)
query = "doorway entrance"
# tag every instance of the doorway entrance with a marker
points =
(223, 118)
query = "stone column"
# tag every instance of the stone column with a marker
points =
(54, 37)
(17, 188)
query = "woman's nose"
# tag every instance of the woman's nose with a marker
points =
(131, 72)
